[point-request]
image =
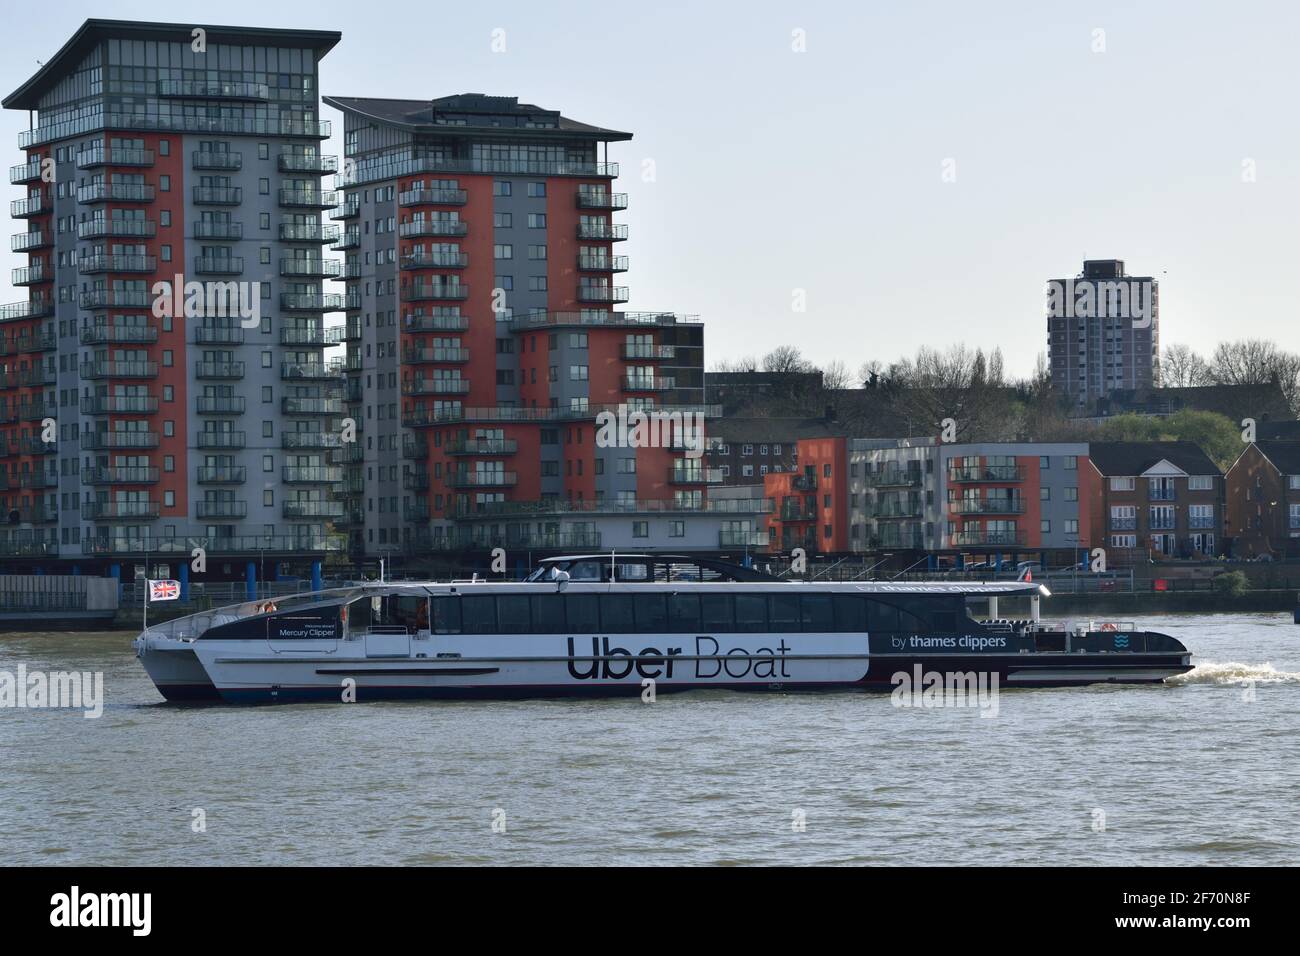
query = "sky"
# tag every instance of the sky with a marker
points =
(860, 180)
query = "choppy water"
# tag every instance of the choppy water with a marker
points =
(1192, 773)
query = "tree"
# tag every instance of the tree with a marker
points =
(1181, 367)
(1257, 362)
(1216, 434)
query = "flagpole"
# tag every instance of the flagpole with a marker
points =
(144, 623)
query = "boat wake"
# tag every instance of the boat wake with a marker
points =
(1235, 672)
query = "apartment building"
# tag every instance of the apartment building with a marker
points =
(1263, 501)
(745, 450)
(1103, 332)
(160, 154)
(1156, 499)
(484, 340)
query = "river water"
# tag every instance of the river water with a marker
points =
(1203, 771)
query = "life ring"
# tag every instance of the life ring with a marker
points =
(1108, 626)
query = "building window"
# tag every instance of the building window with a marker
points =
(1044, 462)
(1123, 484)
(1045, 526)
(1071, 525)
(501, 187)
(1070, 462)
(503, 250)
(1071, 494)
(1200, 483)
(1044, 493)
(677, 529)
(537, 190)
(640, 529)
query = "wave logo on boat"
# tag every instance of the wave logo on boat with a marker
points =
(1121, 642)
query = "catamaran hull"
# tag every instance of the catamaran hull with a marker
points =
(175, 670)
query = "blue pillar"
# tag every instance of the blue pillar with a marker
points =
(931, 561)
(275, 570)
(997, 561)
(961, 561)
(185, 581)
(76, 570)
(1042, 560)
(251, 578)
(315, 576)
(115, 571)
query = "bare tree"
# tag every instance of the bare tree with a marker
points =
(1257, 362)
(1181, 367)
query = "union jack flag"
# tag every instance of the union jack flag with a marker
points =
(164, 590)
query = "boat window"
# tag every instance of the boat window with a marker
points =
(783, 612)
(651, 617)
(684, 613)
(881, 616)
(751, 612)
(548, 613)
(616, 614)
(816, 612)
(715, 612)
(850, 613)
(580, 609)
(446, 615)
(512, 612)
(478, 612)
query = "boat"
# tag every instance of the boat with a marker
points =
(613, 624)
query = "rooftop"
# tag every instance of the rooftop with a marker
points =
(1131, 458)
(461, 112)
(93, 31)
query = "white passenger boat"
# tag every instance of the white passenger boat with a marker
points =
(605, 625)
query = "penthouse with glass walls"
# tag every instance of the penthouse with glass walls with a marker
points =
(484, 339)
(134, 420)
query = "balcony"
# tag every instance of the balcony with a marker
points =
(1200, 522)
(601, 200)
(678, 475)
(312, 509)
(315, 441)
(795, 511)
(214, 90)
(102, 227)
(219, 265)
(974, 539)
(435, 386)
(217, 544)
(28, 172)
(647, 353)
(986, 473)
(729, 538)
(349, 208)
(451, 228)
(120, 510)
(99, 155)
(893, 478)
(601, 232)
(115, 192)
(26, 377)
(482, 479)
(433, 291)
(219, 440)
(351, 239)
(1160, 494)
(415, 481)
(415, 450)
(891, 510)
(480, 446)
(88, 265)
(588, 263)
(1123, 524)
(218, 335)
(124, 475)
(312, 406)
(646, 384)
(311, 268)
(311, 371)
(118, 440)
(29, 240)
(211, 159)
(616, 293)
(296, 161)
(37, 205)
(37, 411)
(31, 275)
(417, 356)
(220, 404)
(434, 323)
(436, 260)
(218, 195)
(115, 299)
(221, 508)
(222, 475)
(119, 405)
(308, 198)
(25, 342)
(312, 474)
(117, 368)
(218, 370)
(433, 197)
(308, 232)
(913, 540)
(38, 480)
(312, 302)
(218, 229)
(988, 506)
(104, 334)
